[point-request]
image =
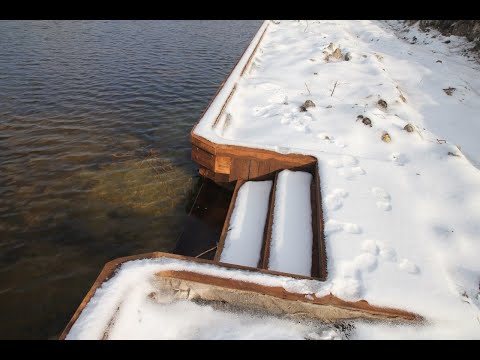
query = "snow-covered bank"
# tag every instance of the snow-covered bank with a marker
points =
(393, 126)
(402, 212)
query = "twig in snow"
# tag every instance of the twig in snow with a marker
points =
(333, 89)
(206, 252)
(306, 27)
(309, 93)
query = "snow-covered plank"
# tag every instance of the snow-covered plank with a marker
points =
(243, 243)
(291, 243)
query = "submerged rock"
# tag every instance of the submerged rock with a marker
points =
(149, 184)
(348, 56)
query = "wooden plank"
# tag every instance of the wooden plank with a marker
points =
(222, 178)
(268, 228)
(260, 154)
(252, 153)
(223, 164)
(263, 168)
(267, 234)
(203, 158)
(110, 268)
(264, 161)
(281, 293)
(253, 171)
(204, 144)
(275, 165)
(206, 173)
(225, 80)
(226, 224)
(240, 168)
(323, 270)
(224, 106)
(316, 263)
(254, 51)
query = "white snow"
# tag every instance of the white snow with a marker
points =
(292, 237)
(408, 266)
(334, 200)
(332, 226)
(243, 243)
(370, 246)
(209, 117)
(125, 298)
(144, 319)
(425, 219)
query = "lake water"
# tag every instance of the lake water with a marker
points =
(94, 150)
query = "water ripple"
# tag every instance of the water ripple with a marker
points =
(94, 150)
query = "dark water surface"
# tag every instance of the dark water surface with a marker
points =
(94, 150)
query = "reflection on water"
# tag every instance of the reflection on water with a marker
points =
(94, 150)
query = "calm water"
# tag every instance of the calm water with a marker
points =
(94, 150)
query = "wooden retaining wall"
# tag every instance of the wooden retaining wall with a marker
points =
(343, 309)
(228, 163)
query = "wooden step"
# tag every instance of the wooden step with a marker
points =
(242, 240)
(318, 256)
(292, 236)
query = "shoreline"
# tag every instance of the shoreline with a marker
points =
(369, 185)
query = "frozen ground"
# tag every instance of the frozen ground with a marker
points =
(402, 216)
